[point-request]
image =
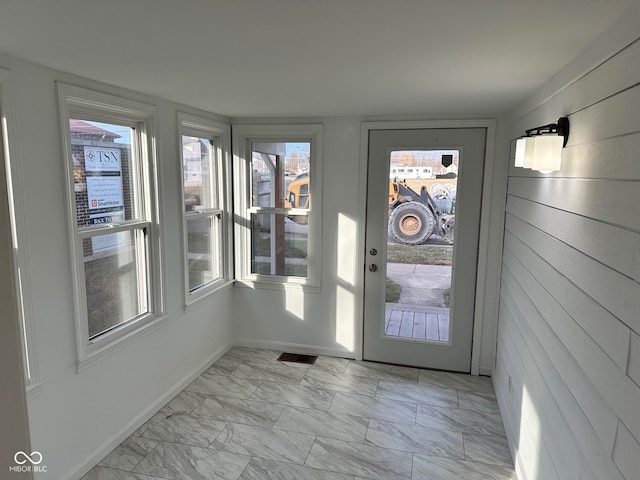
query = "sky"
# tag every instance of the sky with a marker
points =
(122, 130)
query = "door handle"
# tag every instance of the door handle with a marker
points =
(373, 267)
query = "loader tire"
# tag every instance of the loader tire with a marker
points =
(411, 223)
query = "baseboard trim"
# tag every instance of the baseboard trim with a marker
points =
(293, 347)
(103, 450)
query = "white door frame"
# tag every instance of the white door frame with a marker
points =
(483, 244)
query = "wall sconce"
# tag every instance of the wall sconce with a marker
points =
(541, 147)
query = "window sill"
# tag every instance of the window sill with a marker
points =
(95, 352)
(280, 286)
(198, 299)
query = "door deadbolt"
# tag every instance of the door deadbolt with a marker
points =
(373, 252)
(373, 267)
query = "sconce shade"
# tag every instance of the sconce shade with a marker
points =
(529, 144)
(521, 145)
(524, 152)
(541, 147)
(547, 153)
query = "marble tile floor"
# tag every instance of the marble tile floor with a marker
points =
(251, 417)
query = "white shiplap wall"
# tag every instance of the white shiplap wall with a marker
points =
(568, 357)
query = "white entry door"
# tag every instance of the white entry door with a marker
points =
(424, 189)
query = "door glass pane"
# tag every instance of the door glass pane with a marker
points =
(115, 279)
(203, 237)
(279, 246)
(199, 173)
(104, 171)
(420, 233)
(281, 174)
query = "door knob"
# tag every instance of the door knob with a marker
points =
(373, 267)
(373, 252)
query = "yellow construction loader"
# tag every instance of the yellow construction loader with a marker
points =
(413, 216)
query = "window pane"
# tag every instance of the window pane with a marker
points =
(279, 246)
(203, 241)
(115, 279)
(280, 171)
(199, 173)
(425, 236)
(103, 172)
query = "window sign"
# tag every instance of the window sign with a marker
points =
(104, 192)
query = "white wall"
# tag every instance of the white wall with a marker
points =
(317, 322)
(76, 418)
(327, 322)
(567, 373)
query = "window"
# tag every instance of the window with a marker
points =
(278, 198)
(204, 146)
(110, 165)
(13, 170)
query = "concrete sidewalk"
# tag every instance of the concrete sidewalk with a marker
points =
(421, 284)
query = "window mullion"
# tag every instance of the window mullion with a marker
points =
(205, 212)
(140, 173)
(278, 211)
(89, 232)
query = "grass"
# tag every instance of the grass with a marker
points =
(290, 270)
(446, 297)
(292, 248)
(392, 292)
(420, 254)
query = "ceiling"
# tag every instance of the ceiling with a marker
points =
(256, 58)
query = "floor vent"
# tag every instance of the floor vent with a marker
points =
(297, 358)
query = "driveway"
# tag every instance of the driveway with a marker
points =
(422, 285)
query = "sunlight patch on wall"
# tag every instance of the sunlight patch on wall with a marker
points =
(345, 318)
(346, 268)
(347, 255)
(294, 302)
(530, 438)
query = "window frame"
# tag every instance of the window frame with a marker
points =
(220, 135)
(22, 265)
(85, 104)
(243, 137)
